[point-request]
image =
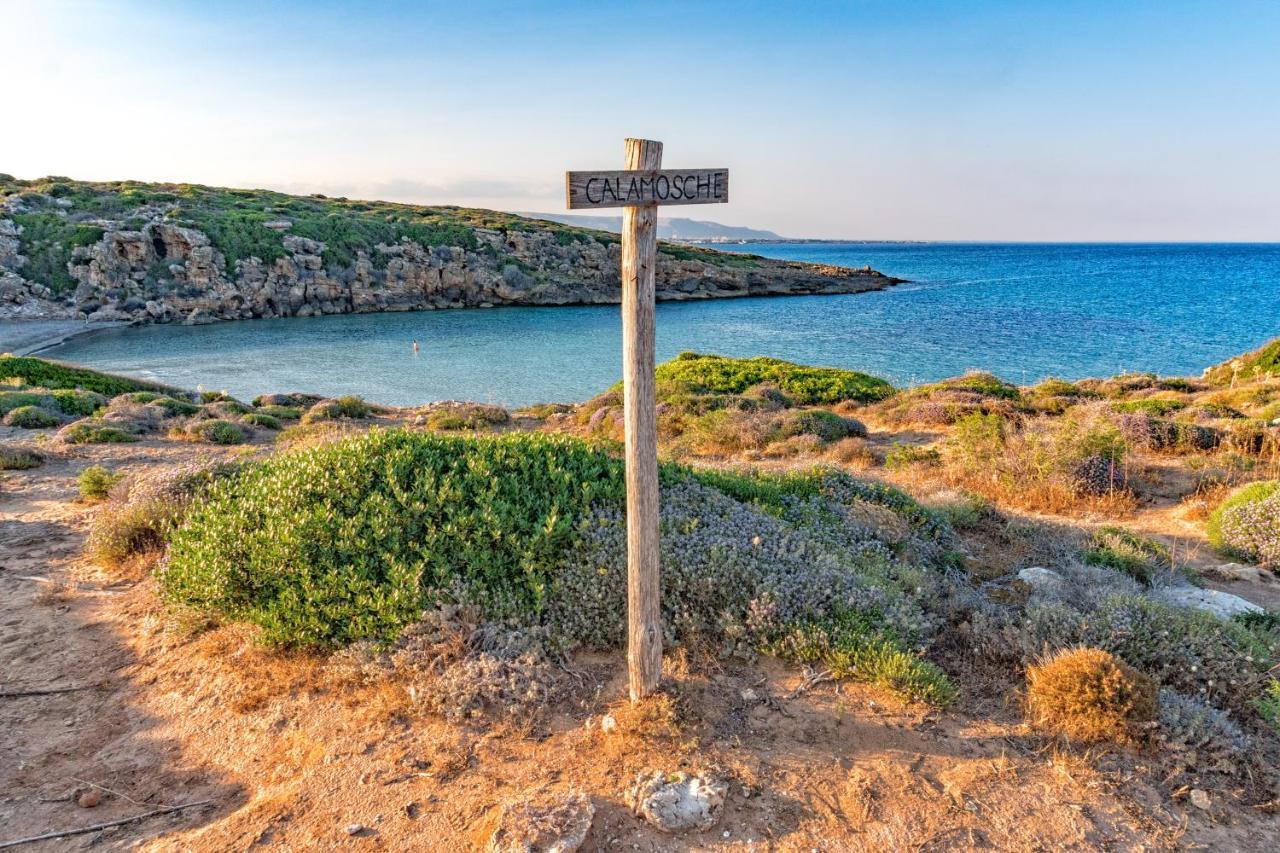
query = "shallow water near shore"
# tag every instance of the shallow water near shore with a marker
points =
(1020, 310)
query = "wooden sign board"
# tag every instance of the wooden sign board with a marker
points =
(646, 186)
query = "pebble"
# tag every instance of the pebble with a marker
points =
(353, 828)
(608, 724)
(1200, 799)
(89, 799)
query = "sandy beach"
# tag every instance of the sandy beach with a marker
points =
(23, 337)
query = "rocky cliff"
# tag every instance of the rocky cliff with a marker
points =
(169, 258)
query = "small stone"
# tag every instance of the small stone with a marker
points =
(749, 695)
(559, 825)
(676, 802)
(353, 828)
(1200, 799)
(89, 799)
(1040, 579)
(608, 724)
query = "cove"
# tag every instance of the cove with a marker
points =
(1020, 310)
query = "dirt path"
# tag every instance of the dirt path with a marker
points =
(60, 632)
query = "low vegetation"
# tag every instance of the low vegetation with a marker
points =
(42, 373)
(502, 538)
(96, 482)
(1089, 695)
(1247, 524)
(19, 459)
(713, 374)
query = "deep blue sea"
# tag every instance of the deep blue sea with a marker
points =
(1023, 311)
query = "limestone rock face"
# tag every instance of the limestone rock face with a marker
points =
(166, 273)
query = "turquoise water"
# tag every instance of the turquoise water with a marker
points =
(1022, 311)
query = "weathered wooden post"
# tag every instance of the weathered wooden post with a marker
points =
(639, 190)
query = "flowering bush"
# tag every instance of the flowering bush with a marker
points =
(1247, 524)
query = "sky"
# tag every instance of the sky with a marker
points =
(966, 120)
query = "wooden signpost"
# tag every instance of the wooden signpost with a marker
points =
(639, 190)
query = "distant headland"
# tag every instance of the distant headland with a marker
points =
(130, 252)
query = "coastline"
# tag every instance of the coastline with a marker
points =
(27, 337)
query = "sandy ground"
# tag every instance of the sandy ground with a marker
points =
(289, 754)
(23, 337)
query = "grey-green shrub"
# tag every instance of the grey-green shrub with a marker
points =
(261, 420)
(31, 417)
(1140, 557)
(827, 426)
(352, 540)
(93, 432)
(19, 459)
(217, 432)
(142, 510)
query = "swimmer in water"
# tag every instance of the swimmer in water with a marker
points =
(415, 347)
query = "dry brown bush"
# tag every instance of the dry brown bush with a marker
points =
(1089, 695)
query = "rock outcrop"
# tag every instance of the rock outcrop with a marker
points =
(160, 272)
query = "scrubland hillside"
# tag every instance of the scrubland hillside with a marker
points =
(965, 615)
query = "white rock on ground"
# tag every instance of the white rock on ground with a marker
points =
(556, 825)
(1221, 604)
(1040, 578)
(677, 802)
(1242, 572)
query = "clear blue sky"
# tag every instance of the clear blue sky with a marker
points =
(907, 120)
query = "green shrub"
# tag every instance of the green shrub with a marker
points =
(281, 413)
(216, 431)
(350, 540)
(1268, 704)
(43, 373)
(351, 407)
(1154, 408)
(261, 419)
(827, 426)
(174, 407)
(966, 511)
(455, 416)
(1140, 557)
(30, 417)
(905, 455)
(96, 481)
(19, 459)
(78, 401)
(47, 241)
(851, 645)
(978, 441)
(1264, 361)
(807, 385)
(89, 432)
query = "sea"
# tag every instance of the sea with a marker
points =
(1022, 311)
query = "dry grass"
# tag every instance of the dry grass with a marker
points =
(1090, 696)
